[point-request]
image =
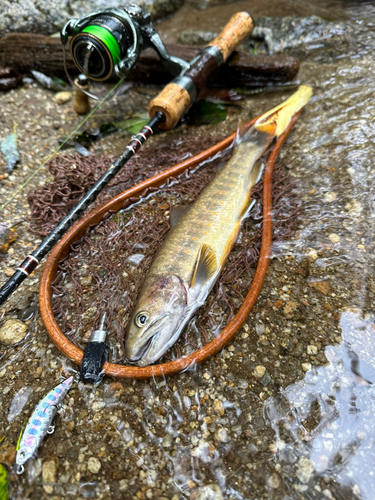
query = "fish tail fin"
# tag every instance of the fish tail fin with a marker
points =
(275, 121)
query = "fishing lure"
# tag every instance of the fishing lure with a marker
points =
(39, 424)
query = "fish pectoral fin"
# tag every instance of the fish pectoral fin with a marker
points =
(205, 266)
(176, 213)
(254, 177)
(246, 209)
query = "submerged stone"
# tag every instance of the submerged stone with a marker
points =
(12, 332)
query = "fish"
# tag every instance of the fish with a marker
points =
(39, 424)
(194, 252)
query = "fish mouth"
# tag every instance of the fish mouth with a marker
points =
(145, 348)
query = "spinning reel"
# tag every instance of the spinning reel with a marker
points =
(109, 41)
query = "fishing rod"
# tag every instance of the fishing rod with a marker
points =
(165, 111)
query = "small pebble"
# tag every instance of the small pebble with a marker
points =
(259, 328)
(259, 371)
(94, 465)
(49, 475)
(306, 367)
(62, 97)
(274, 481)
(242, 384)
(305, 468)
(331, 196)
(9, 272)
(12, 332)
(221, 435)
(312, 255)
(312, 350)
(209, 492)
(97, 406)
(218, 407)
(335, 238)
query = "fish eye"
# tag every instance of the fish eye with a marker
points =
(22, 453)
(141, 318)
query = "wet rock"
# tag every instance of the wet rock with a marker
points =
(290, 308)
(7, 454)
(242, 384)
(274, 481)
(7, 233)
(19, 402)
(20, 301)
(335, 238)
(306, 367)
(321, 286)
(305, 468)
(221, 435)
(259, 371)
(12, 332)
(260, 328)
(312, 350)
(94, 465)
(330, 197)
(209, 492)
(266, 379)
(292, 32)
(218, 407)
(97, 406)
(49, 16)
(49, 472)
(167, 441)
(199, 37)
(9, 272)
(62, 97)
(312, 255)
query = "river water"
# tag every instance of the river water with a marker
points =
(287, 410)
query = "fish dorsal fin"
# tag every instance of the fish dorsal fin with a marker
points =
(205, 266)
(176, 213)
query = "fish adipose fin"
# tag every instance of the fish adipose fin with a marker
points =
(176, 213)
(276, 120)
(205, 266)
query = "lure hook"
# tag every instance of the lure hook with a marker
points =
(20, 470)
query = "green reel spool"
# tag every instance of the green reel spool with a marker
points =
(99, 47)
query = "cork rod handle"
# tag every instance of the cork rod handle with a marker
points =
(239, 27)
(175, 99)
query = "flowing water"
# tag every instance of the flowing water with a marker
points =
(286, 410)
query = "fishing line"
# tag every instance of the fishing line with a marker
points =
(62, 144)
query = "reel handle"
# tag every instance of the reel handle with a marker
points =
(177, 97)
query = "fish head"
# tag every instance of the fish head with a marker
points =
(24, 453)
(156, 321)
